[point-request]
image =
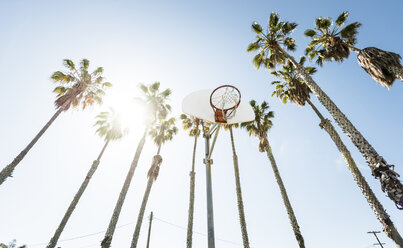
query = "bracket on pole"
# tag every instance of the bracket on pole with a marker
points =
(207, 161)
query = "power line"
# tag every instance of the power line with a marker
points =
(83, 236)
(379, 242)
(130, 223)
(92, 245)
(202, 234)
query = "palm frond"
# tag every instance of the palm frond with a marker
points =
(69, 64)
(143, 88)
(107, 84)
(84, 64)
(78, 88)
(59, 76)
(108, 123)
(267, 45)
(60, 90)
(301, 60)
(290, 43)
(288, 27)
(350, 31)
(273, 20)
(154, 87)
(253, 47)
(342, 18)
(328, 43)
(257, 28)
(166, 93)
(310, 33)
(98, 71)
(310, 70)
(323, 23)
(258, 60)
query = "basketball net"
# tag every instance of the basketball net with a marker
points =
(226, 104)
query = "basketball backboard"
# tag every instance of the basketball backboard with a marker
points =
(197, 104)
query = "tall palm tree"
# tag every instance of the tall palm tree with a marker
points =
(335, 43)
(293, 89)
(289, 89)
(155, 101)
(272, 53)
(109, 129)
(161, 133)
(76, 87)
(191, 124)
(241, 212)
(259, 128)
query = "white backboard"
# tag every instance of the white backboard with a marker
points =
(197, 104)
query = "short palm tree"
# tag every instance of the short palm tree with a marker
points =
(334, 43)
(109, 129)
(161, 133)
(12, 244)
(259, 128)
(76, 87)
(271, 44)
(289, 89)
(191, 124)
(241, 211)
(155, 101)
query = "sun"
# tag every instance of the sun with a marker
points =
(122, 100)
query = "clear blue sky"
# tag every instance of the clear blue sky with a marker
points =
(188, 45)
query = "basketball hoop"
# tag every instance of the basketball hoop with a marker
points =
(227, 108)
(225, 100)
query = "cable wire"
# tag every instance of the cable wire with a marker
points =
(83, 236)
(130, 223)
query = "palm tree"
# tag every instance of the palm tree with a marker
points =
(76, 87)
(289, 89)
(154, 100)
(259, 128)
(108, 128)
(272, 53)
(294, 89)
(335, 43)
(192, 124)
(12, 244)
(241, 211)
(161, 133)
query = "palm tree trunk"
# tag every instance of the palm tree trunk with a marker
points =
(106, 242)
(149, 230)
(376, 206)
(73, 204)
(141, 213)
(152, 176)
(379, 167)
(8, 170)
(353, 48)
(159, 150)
(290, 211)
(191, 198)
(241, 212)
(373, 201)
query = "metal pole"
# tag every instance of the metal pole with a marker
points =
(149, 230)
(210, 216)
(374, 232)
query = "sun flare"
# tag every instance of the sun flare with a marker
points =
(130, 111)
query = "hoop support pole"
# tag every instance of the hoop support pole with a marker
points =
(210, 213)
(214, 140)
